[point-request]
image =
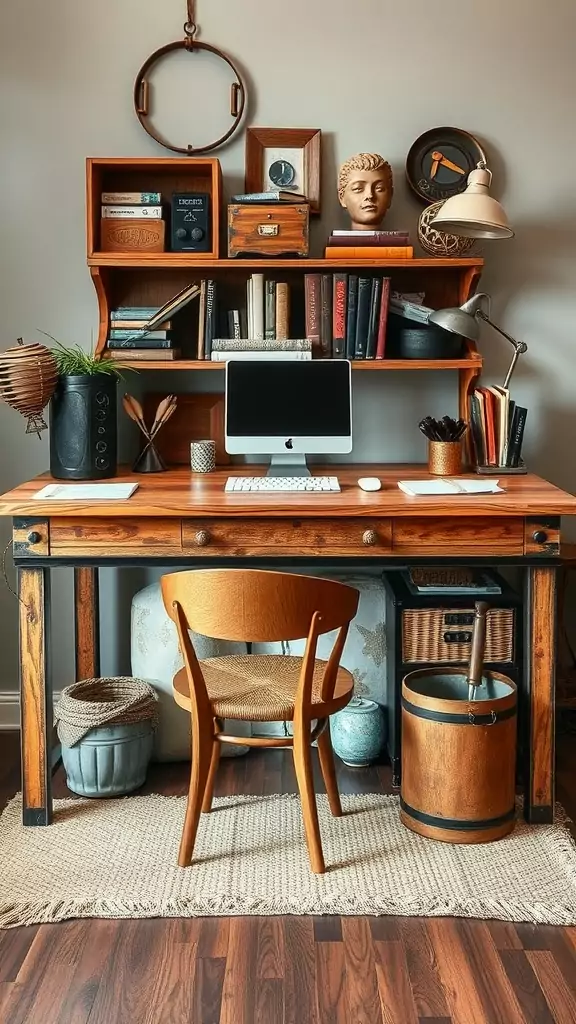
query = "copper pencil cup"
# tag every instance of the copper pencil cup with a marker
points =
(444, 458)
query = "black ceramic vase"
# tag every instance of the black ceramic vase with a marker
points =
(83, 431)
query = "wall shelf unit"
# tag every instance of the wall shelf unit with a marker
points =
(149, 279)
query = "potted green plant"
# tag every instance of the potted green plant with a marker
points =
(83, 428)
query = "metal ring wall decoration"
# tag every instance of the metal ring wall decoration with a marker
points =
(142, 91)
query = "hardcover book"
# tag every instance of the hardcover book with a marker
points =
(383, 320)
(313, 300)
(270, 311)
(339, 314)
(143, 355)
(351, 316)
(363, 239)
(142, 212)
(363, 317)
(326, 315)
(131, 198)
(369, 252)
(282, 310)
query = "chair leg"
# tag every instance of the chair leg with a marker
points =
(202, 745)
(209, 791)
(328, 770)
(302, 750)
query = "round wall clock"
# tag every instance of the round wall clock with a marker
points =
(282, 173)
(439, 162)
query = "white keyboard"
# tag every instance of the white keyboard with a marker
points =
(281, 484)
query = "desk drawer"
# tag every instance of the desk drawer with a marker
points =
(107, 537)
(453, 535)
(352, 537)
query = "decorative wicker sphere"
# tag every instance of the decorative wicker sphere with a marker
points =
(438, 243)
(28, 378)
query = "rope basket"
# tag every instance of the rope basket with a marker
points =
(117, 700)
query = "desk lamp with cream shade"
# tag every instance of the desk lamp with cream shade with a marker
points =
(474, 213)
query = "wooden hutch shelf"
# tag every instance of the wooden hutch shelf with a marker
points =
(151, 278)
(158, 261)
(474, 363)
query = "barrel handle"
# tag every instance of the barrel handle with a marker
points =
(472, 718)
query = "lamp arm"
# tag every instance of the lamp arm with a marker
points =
(519, 346)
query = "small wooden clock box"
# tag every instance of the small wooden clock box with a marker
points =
(268, 229)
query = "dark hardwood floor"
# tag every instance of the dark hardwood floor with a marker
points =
(324, 970)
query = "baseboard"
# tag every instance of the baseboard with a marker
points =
(10, 709)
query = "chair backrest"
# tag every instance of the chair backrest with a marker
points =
(256, 605)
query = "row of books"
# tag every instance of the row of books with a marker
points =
(497, 426)
(345, 245)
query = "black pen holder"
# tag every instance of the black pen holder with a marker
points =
(149, 461)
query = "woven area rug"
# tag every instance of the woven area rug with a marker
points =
(117, 858)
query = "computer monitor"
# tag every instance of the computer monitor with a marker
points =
(288, 409)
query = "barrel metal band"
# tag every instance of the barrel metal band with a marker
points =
(456, 824)
(452, 719)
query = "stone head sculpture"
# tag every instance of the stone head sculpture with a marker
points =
(365, 188)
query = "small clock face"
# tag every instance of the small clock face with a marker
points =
(440, 161)
(281, 173)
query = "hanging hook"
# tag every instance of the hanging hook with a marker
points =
(190, 26)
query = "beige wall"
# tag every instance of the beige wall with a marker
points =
(373, 75)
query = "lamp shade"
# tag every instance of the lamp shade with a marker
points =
(474, 213)
(463, 320)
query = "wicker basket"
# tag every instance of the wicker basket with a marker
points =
(432, 635)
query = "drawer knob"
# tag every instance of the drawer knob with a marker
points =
(539, 536)
(202, 538)
(369, 538)
(34, 537)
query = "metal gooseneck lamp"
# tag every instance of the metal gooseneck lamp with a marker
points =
(465, 321)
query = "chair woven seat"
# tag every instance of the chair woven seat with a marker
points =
(262, 687)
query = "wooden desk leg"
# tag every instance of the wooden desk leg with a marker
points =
(35, 696)
(539, 683)
(87, 623)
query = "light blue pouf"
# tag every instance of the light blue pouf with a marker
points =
(359, 732)
(110, 760)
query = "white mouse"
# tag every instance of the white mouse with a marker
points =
(369, 483)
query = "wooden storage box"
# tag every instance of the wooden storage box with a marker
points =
(141, 234)
(268, 229)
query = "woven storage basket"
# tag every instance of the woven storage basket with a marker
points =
(428, 635)
(106, 727)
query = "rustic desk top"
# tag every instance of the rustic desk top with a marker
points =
(178, 492)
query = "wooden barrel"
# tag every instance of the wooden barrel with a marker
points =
(458, 756)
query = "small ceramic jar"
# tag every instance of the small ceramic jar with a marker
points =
(359, 732)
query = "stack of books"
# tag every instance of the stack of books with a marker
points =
(225, 349)
(369, 245)
(146, 331)
(497, 427)
(141, 209)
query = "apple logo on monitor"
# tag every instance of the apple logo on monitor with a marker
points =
(289, 444)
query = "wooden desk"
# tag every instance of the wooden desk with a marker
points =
(177, 519)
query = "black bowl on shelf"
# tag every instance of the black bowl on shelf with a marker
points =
(409, 339)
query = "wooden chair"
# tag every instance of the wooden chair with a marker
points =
(259, 606)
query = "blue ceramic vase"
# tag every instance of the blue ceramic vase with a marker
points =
(359, 732)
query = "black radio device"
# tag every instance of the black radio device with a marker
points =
(191, 222)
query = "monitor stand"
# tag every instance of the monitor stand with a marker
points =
(288, 465)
